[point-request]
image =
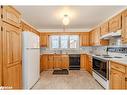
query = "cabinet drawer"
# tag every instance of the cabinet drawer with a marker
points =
(118, 67)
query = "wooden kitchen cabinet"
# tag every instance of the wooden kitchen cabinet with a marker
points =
(115, 23)
(95, 38)
(44, 40)
(117, 76)
(54, 61)
(65, 62)
(124, 27)
(117, 80)
(104, 29)
(89, 68)
(11, 15)
(50, 61)
(12, 68)
(86, 62)
(126, 78)
(44, 62)
(84, 39)
(83, 62)
(57, 61)
(0, 53)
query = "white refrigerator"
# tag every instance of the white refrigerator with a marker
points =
(30, 59)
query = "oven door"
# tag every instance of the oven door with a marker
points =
(100, 67)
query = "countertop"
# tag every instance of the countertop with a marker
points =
(122, 60)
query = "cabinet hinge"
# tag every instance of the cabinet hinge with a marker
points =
(1, 15)
(1, 28)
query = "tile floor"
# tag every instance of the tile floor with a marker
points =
(77, 79)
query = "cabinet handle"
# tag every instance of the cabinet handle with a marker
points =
(125, 78)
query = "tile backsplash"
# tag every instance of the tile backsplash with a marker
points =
(101, 50)
(67, 51)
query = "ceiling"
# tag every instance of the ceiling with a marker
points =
(50, 17)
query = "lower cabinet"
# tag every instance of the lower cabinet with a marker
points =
(118, 79)
(83, 62)
(89, 58)
(57, 61)
(65, 61)
(54, 61)
(50, 61)
(43, 63)
(86, 62)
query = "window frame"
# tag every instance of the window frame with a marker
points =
(68, 47)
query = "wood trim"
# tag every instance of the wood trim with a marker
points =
(62, 33)
(27, 27)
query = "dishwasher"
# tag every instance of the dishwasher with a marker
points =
(74, 61)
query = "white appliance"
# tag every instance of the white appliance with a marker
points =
(111, 34)
(30, 59)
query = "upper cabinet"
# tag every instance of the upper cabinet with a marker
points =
(124, 27)
(115, 23)
(11, 15)
(44, 40)
(95, 38)
(91, 38)
(104, 29)
(84, 39)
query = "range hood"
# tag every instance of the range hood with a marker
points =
(111, 34)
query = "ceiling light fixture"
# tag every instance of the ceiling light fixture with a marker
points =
(66, 20)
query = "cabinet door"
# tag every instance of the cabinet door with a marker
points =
(0, 53)
(104, 29)
(44, 40)
(91, 38)
(44, 62)
(65, 62)
(117, 79)
(57, 61)
(96, 36)
(82, 61)
(84, 39)
(50, 61)
(115, 23)
(124, 27)
(12, 70)
(89, 58)
(11, 15)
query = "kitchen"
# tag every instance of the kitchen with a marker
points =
(68, 54)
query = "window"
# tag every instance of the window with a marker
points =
(64, 41)
(74, 41)
(55, 41)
